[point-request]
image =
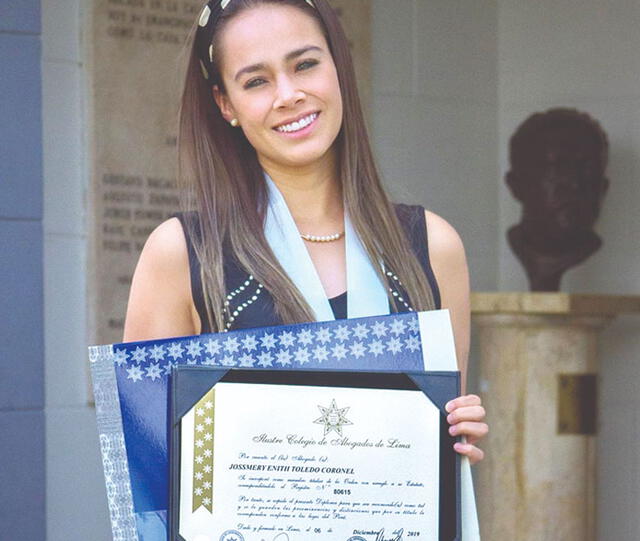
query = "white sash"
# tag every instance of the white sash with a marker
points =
(366, 297)
(366, 293)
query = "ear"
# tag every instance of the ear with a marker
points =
(223, 103)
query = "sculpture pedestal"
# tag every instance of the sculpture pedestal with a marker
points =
(537, 481)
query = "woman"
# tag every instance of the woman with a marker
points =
(290, 221)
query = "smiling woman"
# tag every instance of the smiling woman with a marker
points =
(286, 220)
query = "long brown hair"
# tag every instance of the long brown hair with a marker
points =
(224, 184)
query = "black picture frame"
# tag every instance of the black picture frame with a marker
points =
(190, 383)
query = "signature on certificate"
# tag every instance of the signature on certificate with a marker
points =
(397, 536)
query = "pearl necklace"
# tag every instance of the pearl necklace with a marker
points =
(321, 238)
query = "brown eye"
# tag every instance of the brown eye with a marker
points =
(253, 83)
(306, 64)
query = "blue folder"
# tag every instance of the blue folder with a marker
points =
(131, 389)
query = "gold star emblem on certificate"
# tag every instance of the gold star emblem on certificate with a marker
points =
(333, 418)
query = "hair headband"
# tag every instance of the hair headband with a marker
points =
(204, 35)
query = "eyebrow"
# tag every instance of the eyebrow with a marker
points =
(288, 57)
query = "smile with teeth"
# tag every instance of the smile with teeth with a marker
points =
(298, 125)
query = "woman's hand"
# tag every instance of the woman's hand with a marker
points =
(466, 416)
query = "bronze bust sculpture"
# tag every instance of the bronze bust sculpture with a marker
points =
(558, 161)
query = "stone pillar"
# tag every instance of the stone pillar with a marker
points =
(538, 367)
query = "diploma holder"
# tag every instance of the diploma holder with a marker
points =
(206, 464)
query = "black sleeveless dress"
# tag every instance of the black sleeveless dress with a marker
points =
(250, 305)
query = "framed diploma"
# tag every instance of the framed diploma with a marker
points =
(293, 456)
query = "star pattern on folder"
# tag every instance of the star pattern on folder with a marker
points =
(296, 346)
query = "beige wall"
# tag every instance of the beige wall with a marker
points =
(434, 115)
(76, 502)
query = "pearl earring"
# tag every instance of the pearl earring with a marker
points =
(234, 122)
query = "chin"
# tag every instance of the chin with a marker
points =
(305, 160)
(300, 157)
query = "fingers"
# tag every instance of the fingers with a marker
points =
(465, 417)
(465, 408)
(463, 401)
(468, 413)
(474, 431)
(469, 450)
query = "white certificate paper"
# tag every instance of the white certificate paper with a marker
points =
(262, 462)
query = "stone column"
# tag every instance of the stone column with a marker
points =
(538, 377)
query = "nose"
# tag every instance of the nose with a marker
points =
(287, 93)
(569, 181)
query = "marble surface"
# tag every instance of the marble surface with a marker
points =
(535, 483)
(553, 303)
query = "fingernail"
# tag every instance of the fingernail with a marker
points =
(458, 446)
(449, 406)
(453, 430)
(450, 419)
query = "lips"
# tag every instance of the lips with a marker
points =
(297, 124)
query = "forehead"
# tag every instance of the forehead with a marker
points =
(570, 144)
(265, 34)
(557, 143)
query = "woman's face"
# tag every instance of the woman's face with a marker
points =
(281, 85)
